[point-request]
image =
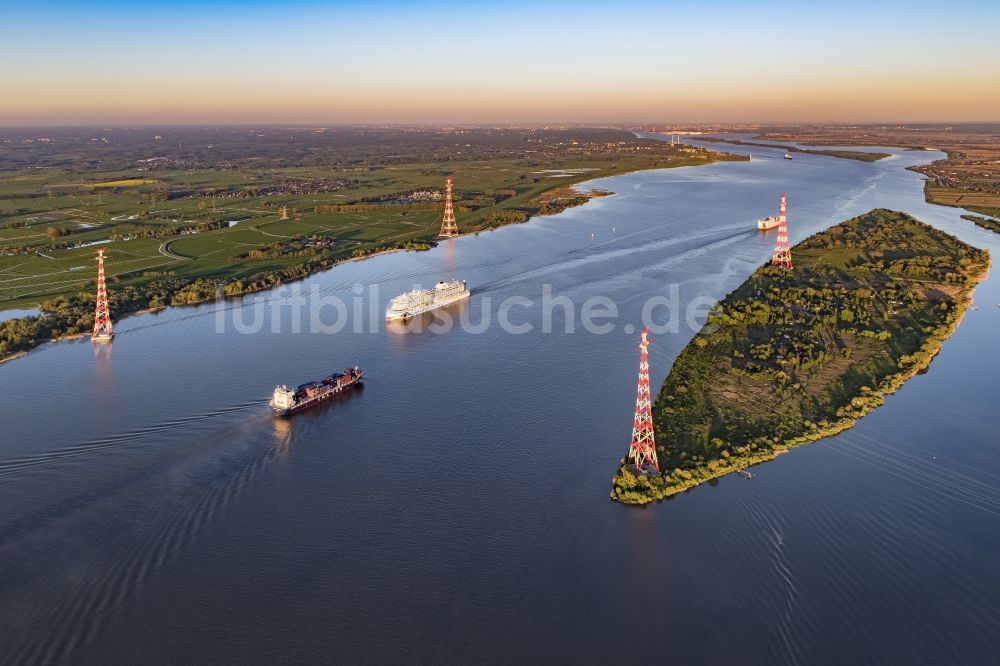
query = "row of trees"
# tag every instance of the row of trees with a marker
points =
(127, 230)
(496, 218)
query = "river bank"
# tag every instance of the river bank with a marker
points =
(559, 199)
(858, 155)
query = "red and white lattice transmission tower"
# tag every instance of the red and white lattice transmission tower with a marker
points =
(103, 331)
(642, 451)
(782, 253)
(448, 226)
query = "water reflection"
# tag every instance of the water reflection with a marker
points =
(448, 259)
(102, 353)
(437, 322)
(646, 554)
(281, 434)
(102, 369)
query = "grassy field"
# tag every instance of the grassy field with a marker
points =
(945, 195)
(794, 356)
(126, 182)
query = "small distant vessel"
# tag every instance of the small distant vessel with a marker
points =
(286, 402)
(787, 156)
(420, 301)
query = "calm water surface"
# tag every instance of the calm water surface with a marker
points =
(456, 509)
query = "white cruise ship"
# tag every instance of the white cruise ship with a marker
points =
(420, 301)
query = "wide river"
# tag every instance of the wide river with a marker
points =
(456, 508)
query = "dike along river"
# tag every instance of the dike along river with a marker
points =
(456, 508)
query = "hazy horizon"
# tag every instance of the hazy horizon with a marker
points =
(441, 63)
(680, 125)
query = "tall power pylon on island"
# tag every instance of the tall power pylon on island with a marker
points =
(103, 330)
(782, 252)
(642, 450)
(448, 226)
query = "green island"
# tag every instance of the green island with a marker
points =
(984, 222)
(858, 155)
(792, 356)
(185, 214)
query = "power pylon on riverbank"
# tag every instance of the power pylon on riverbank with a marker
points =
(642, 450)
(103, 331)
(782, 252)
(448, 226)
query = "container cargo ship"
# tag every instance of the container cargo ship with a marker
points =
(286, 402)
(420, 301)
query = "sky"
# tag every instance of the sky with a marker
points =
(306, 62)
